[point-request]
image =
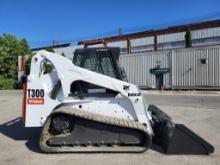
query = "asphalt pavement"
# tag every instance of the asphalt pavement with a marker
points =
(201, 113)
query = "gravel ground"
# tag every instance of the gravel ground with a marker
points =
(200, 113)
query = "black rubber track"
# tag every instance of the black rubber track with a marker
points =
(94, 133)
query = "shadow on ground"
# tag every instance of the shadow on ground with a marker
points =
(15, 130)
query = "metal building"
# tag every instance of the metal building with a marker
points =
(191, 68)
(157, 58)
(202, 34)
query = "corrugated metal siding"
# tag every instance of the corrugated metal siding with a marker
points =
(171, 37)
(137, 67)
(142, 41)
(196, 34)
(121, 44)
(144, 48)
(171, 45)
(142, 44)
(187, 71)
(206, 33)
(97, 45)
(202, 37)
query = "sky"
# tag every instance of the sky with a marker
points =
(42, 21)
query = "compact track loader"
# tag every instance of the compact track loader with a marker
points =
(87, 105)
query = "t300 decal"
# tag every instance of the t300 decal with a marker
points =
(35, 96)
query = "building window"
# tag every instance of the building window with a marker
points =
(203, 61)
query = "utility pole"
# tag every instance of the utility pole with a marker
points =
(55, 42)
(120, 31)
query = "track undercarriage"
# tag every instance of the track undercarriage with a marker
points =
(72, 130)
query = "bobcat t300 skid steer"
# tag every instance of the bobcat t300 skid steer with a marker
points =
(86, 105)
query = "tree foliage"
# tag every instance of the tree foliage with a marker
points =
(48, 68)
(188, 39)
(28, 64)
(10, 49)
(63, 54)
(50, 49)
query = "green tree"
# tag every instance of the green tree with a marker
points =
(63, 54)
(25, 47)
(188, 39)
(49, 49)
(48, 67)
(28, 63)
(10, 49)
